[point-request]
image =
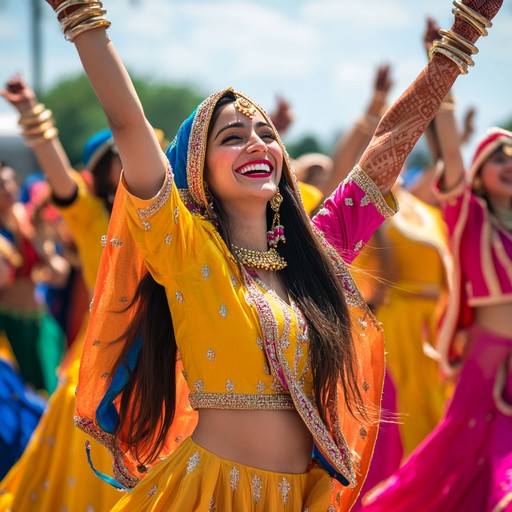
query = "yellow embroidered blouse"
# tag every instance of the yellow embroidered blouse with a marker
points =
(216, 310)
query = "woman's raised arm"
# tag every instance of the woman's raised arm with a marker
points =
(406, 120)
(83, 23)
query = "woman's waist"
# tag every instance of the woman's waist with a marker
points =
(270, 440)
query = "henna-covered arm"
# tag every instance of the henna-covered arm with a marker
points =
(406, 120)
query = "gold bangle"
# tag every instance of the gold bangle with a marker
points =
(471, 21)
(479, 18)
(80, 15)
(456, 51)
(35, 119)
(70, 3)
(461, 64)
(95, 23)
(38, 129)
(49, 134)
(465, 44)
(447, 106)
(33, 111)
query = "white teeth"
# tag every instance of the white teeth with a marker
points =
(255, 167)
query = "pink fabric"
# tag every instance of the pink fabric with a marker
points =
(465, 464)
(348, 219)
(388, 449)
(480, 241)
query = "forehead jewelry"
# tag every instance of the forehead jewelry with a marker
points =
(245, 107)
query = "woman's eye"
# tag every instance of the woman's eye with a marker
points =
(230, 138)
(268, 135)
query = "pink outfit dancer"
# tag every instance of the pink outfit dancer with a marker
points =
(465, 464)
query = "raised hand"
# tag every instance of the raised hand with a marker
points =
(431, 34)
(282, 116)
(383, 82)
(18, 93)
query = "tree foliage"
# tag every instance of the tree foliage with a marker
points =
(79, 115)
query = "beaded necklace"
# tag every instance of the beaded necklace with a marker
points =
(268, 260)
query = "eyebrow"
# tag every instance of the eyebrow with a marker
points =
(239, 124)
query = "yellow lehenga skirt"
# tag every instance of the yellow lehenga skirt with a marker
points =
(53, 474)
(193, 479)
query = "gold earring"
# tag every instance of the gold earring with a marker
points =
(276, 233)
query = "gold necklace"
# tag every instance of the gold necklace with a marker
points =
(269, 260)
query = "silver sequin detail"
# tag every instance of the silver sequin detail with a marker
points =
(260, 386)
(96, 343)
(363, 433)
(256, 488)
(116, 242)
(199, 386)
(152, 491)
(168, 239)
(284, 487)
(176, 215)
(192, 463)
(205, 271)
(259, 342)
(233, 281)
(230, 385)
(210, 354)
(179, 296)
(349, 201)
(235, 476)
(104, 375)
(365, 201)
(223, 311)
(146, 225)
(358, 246)
(104, 240)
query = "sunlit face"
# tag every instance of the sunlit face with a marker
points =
(496, 174)
(8, 188)
(244, 161)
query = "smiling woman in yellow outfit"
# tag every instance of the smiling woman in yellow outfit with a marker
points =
(233, 293)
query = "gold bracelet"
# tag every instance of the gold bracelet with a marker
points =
(33, 111)
(456, 51)
(85, 27)
(38, 129)
(35, 119)
(80, 15)
(49, 134)
(70, 3)
(447, 106)
(471, 21)
(464, 44)
(473, 14)
(461, 64)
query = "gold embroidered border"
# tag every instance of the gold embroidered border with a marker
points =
(368, 186)
(121, 472)
(280, 402)
(160, 199)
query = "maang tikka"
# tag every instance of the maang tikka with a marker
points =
(276, 233)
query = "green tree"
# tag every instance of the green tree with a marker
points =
(79, 115)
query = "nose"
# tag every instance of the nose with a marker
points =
(256, 144)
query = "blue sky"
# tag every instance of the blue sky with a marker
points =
(319, 54)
